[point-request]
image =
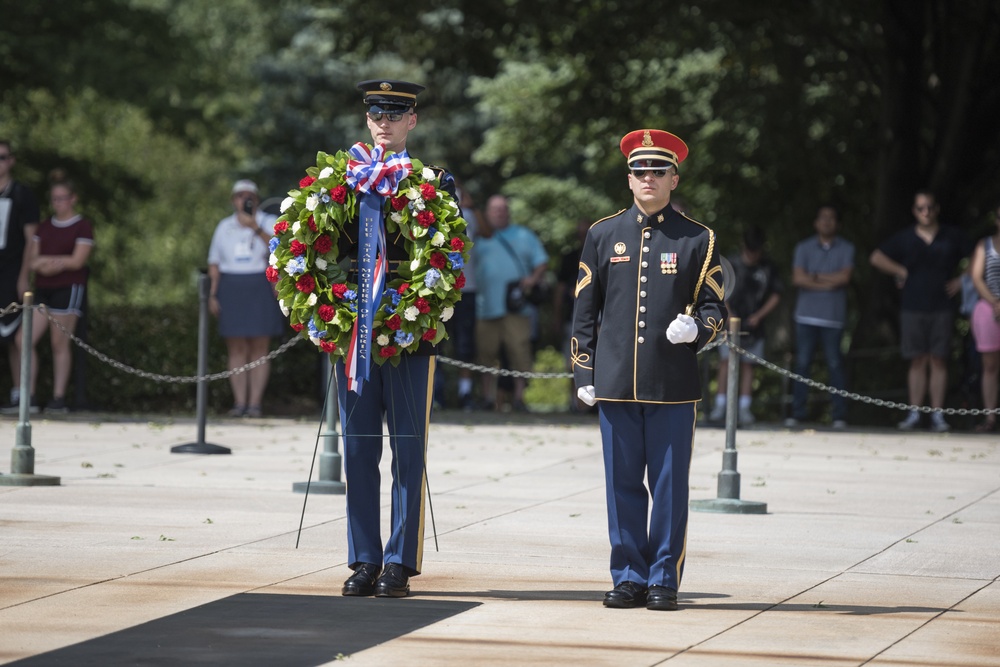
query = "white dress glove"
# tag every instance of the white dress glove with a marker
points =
(587, 395)
(682, 330)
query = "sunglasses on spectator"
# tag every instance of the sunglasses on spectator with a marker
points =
(391, 117)
(658, 173)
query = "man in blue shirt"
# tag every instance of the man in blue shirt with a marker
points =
(821, 270)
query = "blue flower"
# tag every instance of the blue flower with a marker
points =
(431, 231)
(389, 309)
(273, 244)
(350, 295)
(432, 277)
(456, 260)
(296, 265)
(314, 332)
(395, 296)
(404, 338)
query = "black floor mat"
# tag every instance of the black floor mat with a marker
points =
(257, 629)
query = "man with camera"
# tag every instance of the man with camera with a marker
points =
(510, 267)
(241, 297)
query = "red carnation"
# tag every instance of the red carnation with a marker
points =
(298, 326)
(457, 244)
(326, 312)
(327, 346)
(403, 288)
(427, 191)
(429, 334)
(306, 182)
(298, 247)
(387, 351)
(312, 223)
(398, 203)
(426, 218)
(422, 305)
(272, 274)
(338, 290)
(322, 244)
(460, 281)
(394, 323)
(438, 260)
(339, 194)
(305, 284)
(280, 227)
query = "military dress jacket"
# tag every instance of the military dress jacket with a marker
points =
(637, 273)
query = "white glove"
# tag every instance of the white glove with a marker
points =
(586, 394)
(682, 330)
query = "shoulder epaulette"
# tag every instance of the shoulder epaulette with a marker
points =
(613, 215)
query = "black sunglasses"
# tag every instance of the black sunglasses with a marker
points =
(658, 173)
(392, 117)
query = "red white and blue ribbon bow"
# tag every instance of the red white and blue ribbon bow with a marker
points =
(375, 180)
(367, 173)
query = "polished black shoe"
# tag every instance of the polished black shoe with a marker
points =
(393, 583)
(626, 595)
(661, 598)
(362, 582)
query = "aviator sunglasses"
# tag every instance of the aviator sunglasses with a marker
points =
(391, 117)
(658, 173)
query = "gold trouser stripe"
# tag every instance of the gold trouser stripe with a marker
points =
(432, 360)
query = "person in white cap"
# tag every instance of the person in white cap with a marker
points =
(241, 297)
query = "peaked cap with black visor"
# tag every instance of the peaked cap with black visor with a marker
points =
(653, 149)
(390, 96)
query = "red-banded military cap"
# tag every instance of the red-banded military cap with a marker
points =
(388, 95)
(653, 149)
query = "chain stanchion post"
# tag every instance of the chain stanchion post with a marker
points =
(728, 500)
(330, 461)
(22, 457)
(201, 397)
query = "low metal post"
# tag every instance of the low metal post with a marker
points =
(728, 500)
(330, 461)
(201, 397)
(22, 457)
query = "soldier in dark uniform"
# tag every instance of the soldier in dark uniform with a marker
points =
(649, 295)
(400, 394)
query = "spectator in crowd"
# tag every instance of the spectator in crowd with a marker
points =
(924, 260)
(57, 257)
(242, 298)
(655, 275)
(757, 293)
(821, 269)
(563, 299)
(511, 255)
(18, 221)
(985, 272)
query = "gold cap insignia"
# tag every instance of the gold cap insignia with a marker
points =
(619, 247)
(647, 140)
(385, 85)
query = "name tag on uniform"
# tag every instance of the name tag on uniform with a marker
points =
(615, 260)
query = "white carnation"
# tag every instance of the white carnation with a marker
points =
(326, 173)
(427, 174)
(321, 264)
(286, 203)
(412, 194)
(284, 308)
(419, 204)
(415, 264)
(382, 340)
(447, 313)
(311, 301)
(411, 313)
(418, 231)
(396, 217)
(438, 240)
(312, 201)
(272, 260)
(296, 226)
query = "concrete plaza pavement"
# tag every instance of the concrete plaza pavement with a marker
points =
(877, 548)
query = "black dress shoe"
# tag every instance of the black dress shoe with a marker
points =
(661, 598)
(626, 595)
(362, 582)
(393, 583)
